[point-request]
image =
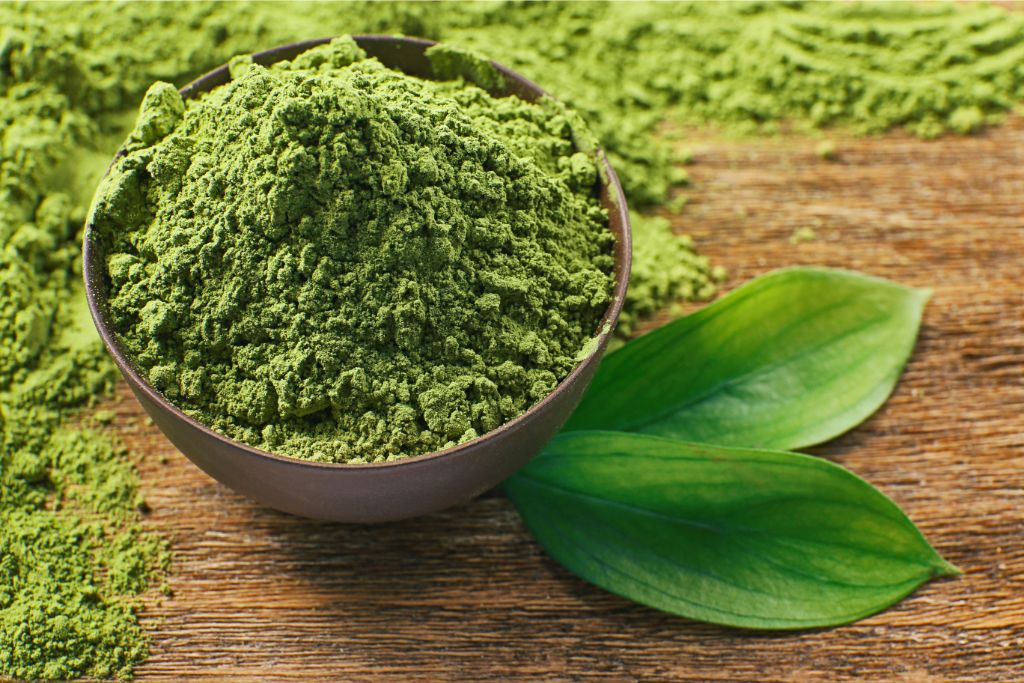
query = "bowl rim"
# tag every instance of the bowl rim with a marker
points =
(622, 254)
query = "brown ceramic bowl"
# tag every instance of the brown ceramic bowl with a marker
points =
(374, 492)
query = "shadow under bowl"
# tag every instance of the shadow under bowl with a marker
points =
(381, 492)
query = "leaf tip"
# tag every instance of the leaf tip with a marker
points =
(945, 568)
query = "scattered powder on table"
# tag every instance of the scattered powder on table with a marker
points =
(684, 275)
(802, 235)
(335, 261)
(743, 67)
(73, 555)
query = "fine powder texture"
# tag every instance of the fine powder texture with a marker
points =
(334, 261)
(73, 555)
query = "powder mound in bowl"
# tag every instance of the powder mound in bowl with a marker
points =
(338, 262)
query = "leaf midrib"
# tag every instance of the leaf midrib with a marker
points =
(721, 529)
(709, 393)
(749, 618)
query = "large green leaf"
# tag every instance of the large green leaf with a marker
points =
(789, 360)
(757, 539)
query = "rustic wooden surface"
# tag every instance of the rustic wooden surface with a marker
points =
(467, 595)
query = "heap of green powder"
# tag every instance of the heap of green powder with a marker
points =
(332, 260)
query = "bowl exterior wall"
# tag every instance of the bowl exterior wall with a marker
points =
(368, 494)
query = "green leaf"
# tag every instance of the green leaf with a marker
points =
(789, 360)
(756, 539)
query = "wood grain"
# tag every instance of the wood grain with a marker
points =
(467, 595)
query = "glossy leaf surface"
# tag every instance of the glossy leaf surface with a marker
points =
(793, 358)
(757, 539)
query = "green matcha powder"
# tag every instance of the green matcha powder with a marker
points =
(334, 261)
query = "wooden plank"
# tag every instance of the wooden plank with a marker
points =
(467, 595)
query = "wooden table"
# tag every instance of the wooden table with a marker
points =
(467, 595)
